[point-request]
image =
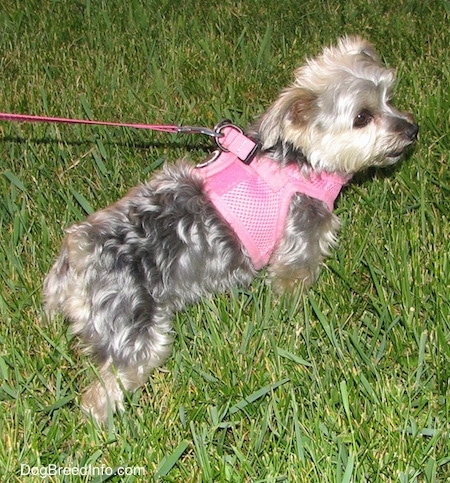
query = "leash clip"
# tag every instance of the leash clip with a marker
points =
(199, 130)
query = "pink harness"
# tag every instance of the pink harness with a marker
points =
(254, 197)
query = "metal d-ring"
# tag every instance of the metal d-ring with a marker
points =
(210, 159)
(217, 135)
(218, 129)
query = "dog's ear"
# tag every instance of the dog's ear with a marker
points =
(304, 108)
(295, 106)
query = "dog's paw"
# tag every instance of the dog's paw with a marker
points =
(99, 400)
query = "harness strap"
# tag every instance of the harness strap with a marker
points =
(234, 141)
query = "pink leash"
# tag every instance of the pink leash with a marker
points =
(6, 116)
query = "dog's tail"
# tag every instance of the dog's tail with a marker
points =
(56, 284)
(64, 286)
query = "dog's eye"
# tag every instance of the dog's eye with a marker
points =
(362, 119)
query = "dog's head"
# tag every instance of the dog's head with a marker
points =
(338, 112)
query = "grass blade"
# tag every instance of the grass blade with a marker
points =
(82, 201)
(170, 461)
(256, 395)
(292, 357)
(15, 180)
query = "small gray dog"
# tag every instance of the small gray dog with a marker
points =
(262, 199)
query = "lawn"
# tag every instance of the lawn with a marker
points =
(347, 383)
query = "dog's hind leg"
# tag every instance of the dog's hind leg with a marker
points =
(106, 394)
(128, 369)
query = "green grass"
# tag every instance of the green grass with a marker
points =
(348, 383)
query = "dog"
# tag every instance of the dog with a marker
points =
(263, 199)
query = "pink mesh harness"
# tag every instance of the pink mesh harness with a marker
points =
(254, 198)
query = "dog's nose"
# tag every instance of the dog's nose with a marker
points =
(405, 125)
(411, 130)
(409, 126)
